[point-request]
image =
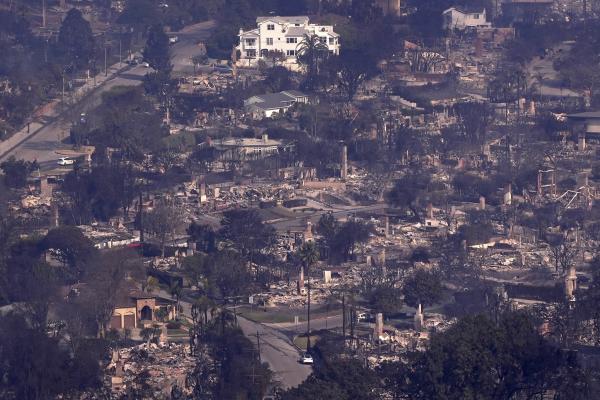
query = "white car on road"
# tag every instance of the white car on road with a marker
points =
(65, 161)
(306, 359)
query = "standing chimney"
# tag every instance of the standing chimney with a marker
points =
(308, 233)
(344, 171)
(508, 195)
(301, 281)
(56, 215)
(387, 226)
(202, 191)
(378, 332)
(419, 319)
(570, 282)
(482, 203)
(581, 142)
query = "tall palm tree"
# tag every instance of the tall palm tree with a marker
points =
(311, 52)
(308, 256)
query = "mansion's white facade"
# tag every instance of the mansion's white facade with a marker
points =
(282, 36)
(461, 19)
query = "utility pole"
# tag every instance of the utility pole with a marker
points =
(141, 211)
(258, 345)
(44, 14)
(120, 60)
(344, 317)
(105, 60)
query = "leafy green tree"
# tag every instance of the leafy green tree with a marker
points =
(245, 231)
(385, 299)
(157, 52)
(278, 78)
(424, 287)
(204, 235)
(162, 222)
(220, 274)
(354, 67)
(127, 120)
(17, 171)
(139, 14)
(105, 280)
(347, 237)
(407, 190)
(70, 246)
(479, 359)
(36, 366)
(236, 372)
(32, 284)
(365, 11)
(196, 268)
(75, 40)
(101, 192)
(327, 227)
(336, 376)
(229, 274)
(477, 230)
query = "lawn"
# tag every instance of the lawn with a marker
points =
(274, 315)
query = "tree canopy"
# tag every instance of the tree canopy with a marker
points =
(245, 231)
(157, 51)
(75, 40)
(478, 359)
(423, 287)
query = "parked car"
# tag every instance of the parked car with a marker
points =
(173, 39)
(145, 64)
(63, 161)
(306, 359)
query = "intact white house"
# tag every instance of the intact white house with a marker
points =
(272, 104)
(461, 19)
(282, 35)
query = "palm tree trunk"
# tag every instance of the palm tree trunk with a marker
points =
(308, 311)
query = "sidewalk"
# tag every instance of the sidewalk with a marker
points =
(49, 112)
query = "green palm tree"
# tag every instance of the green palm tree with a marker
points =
(308, 255)
(311, 52)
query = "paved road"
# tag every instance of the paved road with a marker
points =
(46, 144)
(331, 322)
(297, 222)
(277, 350)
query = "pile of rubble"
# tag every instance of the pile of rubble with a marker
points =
(167, 365)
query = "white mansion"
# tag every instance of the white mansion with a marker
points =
(282, 35)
